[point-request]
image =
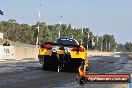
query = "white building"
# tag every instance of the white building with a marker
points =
(1, 35)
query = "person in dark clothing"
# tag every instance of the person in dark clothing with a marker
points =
(7, 44)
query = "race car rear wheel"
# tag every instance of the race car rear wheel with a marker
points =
(51, 62)
(73, 64)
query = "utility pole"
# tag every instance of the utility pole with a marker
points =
(60, 27)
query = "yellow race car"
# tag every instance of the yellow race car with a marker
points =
(63, 54)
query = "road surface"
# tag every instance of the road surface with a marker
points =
(29, 73)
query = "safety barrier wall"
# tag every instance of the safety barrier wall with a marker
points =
(97, 53)
(26, 52)
(12, 52)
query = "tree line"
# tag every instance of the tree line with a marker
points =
(25, 33)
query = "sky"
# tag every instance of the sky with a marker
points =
(112, 17)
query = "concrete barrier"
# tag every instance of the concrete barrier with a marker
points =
(12, 52)
(26, 52)
(1, 51)
(97, 53)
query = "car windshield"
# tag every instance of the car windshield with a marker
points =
(67, 41)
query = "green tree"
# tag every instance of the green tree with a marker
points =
(128, 46)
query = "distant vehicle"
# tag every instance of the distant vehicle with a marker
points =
(130, 56)
(117, 56)
(64, 53)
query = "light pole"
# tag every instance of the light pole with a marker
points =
(72, 29)
(88, 41)
(60, 26)
(82, 37)
(101, 43)
(101, 46)
(37, 35)
(38, 27)
(97, 42)
(92, 41)
(109, 47)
